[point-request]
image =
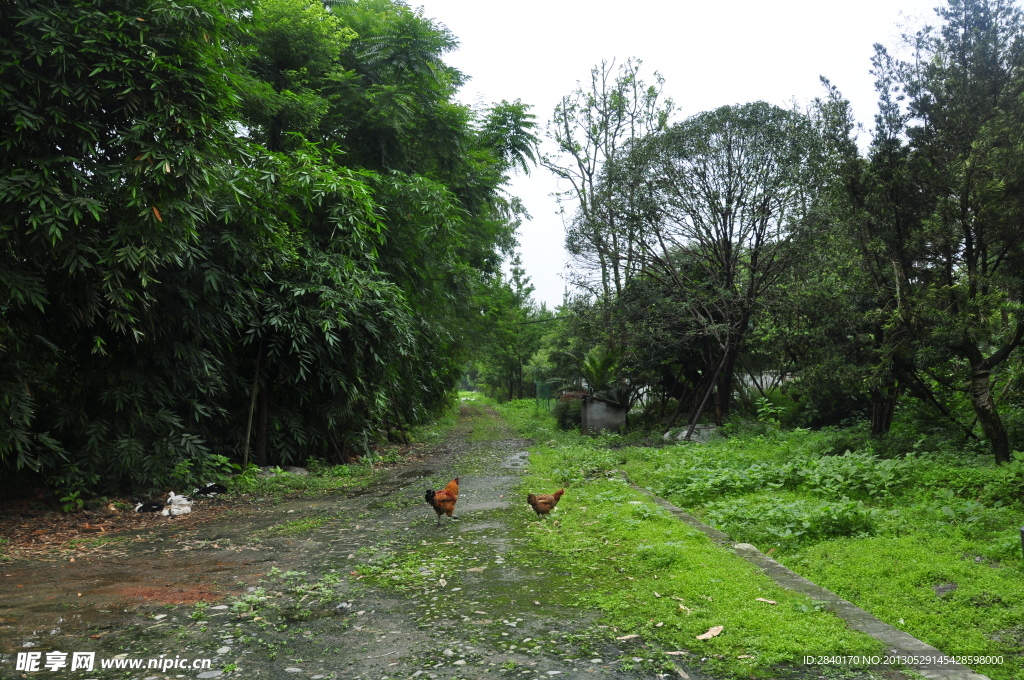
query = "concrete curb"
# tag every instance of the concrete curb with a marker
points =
(898, 642)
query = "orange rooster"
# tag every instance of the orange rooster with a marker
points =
(443, 501)
(543, 503)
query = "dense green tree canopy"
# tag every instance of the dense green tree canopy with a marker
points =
(234, 230)
(756, 248)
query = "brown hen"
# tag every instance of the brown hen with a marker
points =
(543, 503)
(443, 501)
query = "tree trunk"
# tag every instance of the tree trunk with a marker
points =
(345, 457)
(707, 393)
(252, 406)
(753, 377)
(337, 456)
(723, 397)
(981, 391)
(401, 425)
(690, 397)
(261, 427)
(883, 405)
(985, 409)
(725, 380)
(742, 391)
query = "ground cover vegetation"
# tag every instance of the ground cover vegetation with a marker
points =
(236, 232)
(930, 549)
(657, 579)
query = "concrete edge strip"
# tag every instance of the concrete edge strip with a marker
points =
(898, 642)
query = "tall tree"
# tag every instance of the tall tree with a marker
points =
(291, 47)
(733, 187)
(592, 128)
(962, 284)
(874, 210)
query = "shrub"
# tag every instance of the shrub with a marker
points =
(700, 483)
(575, 463)
(793, 524)
(854, 474)
(568, 413)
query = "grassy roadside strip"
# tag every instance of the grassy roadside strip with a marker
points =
(927, 543)
(655, 577)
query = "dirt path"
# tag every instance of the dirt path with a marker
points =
(357, 587)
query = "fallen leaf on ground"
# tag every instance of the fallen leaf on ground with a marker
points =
(761, 599)
(677, 653)
(744, 656)
(627, 637)
(476, 569)
(712, 632)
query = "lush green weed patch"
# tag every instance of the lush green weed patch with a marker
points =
(927, 542)
(656, 577)
(796, 522)
(95, 542)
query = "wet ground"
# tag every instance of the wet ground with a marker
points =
(356, 587)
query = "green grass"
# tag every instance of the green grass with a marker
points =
(298, 527)
(656, 577)
(884, 533)
(322, 480)
(987, 602)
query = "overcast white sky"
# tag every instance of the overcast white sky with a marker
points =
(711, 54)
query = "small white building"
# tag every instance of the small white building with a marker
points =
(601, 415)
